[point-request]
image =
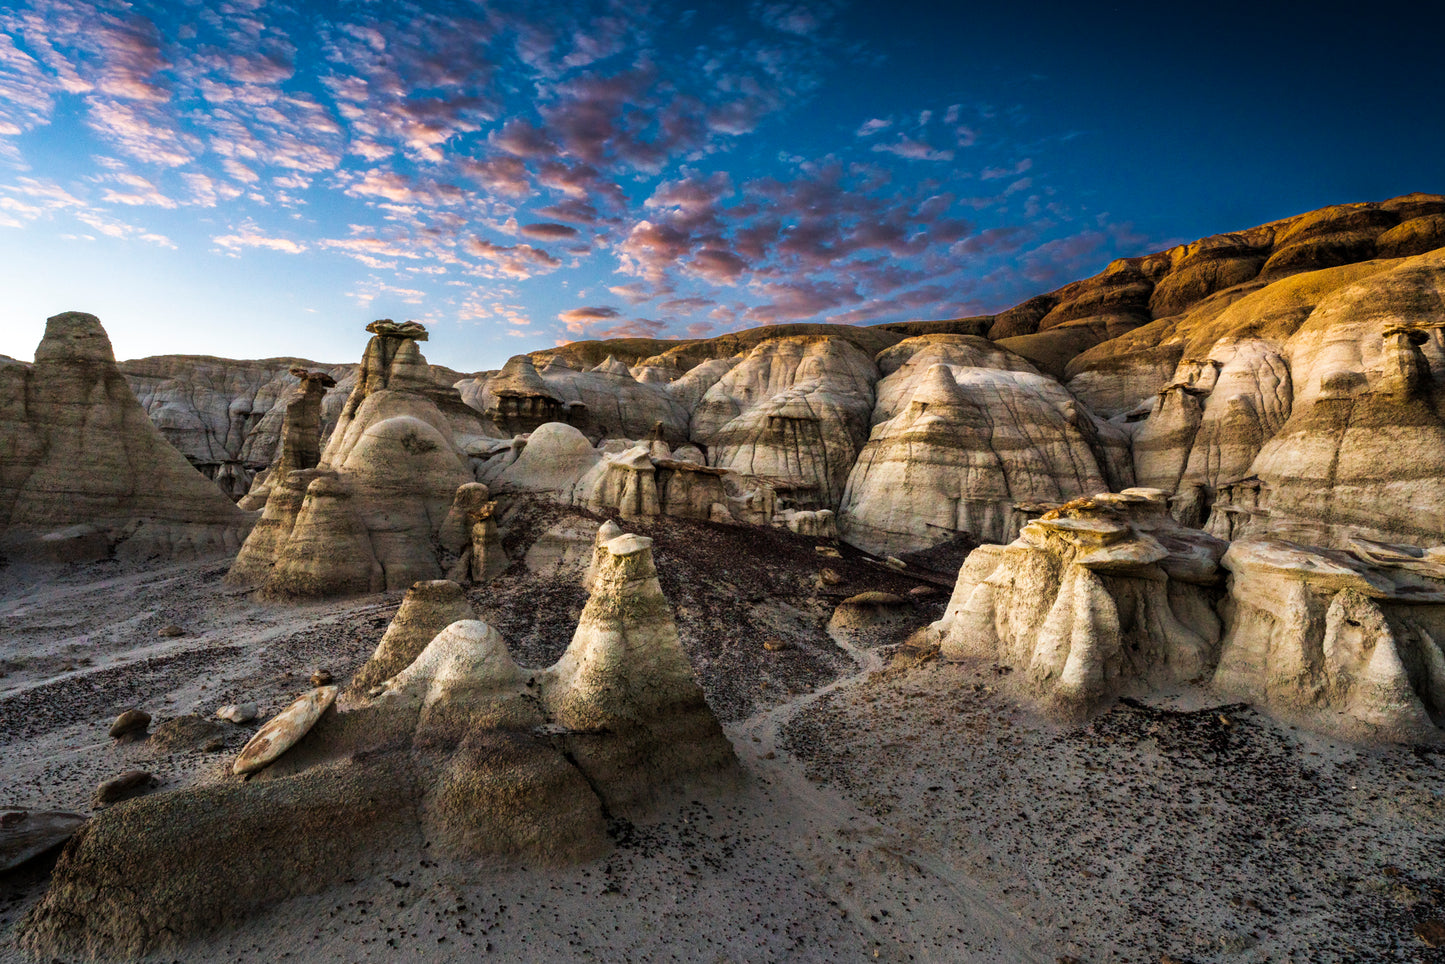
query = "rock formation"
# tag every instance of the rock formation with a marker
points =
(1353, 639)
(970, 444)
(224, 416)
(301, 433)
(84, 473)
(1094, 598)
(464, 755)
(427, 609)
(369, 516)
(794, 412)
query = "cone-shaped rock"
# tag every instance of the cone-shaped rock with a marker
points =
(429, 607)
(626, 689)
(84, 471)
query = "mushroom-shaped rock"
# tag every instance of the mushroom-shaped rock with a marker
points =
(375, 509)
(625, 483)
(1085, 603)
(464, 755)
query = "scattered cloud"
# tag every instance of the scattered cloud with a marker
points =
(249, 235)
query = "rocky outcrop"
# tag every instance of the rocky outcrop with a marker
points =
(971, 443)
(1095, 598)
(301, 434)
(427, 609)
(84, 474)
(373, 510)
(1353, 640)
(224, 416)
(465, 755)
(795, 413)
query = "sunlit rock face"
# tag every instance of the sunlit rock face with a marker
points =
(795, 412)
(84, 474)
(1280, 407)
(1099, 597)
(971, 443)
(373, 510)
(461, 755)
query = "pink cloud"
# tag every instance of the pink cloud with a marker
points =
(913, 150)
(548, 231)
(516, 261)
(249, 235)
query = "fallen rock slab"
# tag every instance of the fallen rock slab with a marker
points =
(238, 712)
(282, 733)
(25, 835)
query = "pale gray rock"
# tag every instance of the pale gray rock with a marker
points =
(26, 834)
(1098, 597)
(283, 731)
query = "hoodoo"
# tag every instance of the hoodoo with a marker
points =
(462, 755)
(370, 515)
(84, 474)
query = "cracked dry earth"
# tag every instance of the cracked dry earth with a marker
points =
(896, 808)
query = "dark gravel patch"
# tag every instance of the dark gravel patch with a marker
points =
(1211, 835)
(98, 697)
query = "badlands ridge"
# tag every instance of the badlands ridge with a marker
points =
(1219, 470)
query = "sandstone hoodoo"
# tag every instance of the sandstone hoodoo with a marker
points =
(1095, 598)
(463, 755)
(368, 517)
(84, 474)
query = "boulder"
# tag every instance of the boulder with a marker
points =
(26, 834)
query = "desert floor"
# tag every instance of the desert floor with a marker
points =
(894, 807)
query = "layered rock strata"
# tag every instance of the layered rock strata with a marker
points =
(84, 474)
(1351, 639)
(1093, 599)
(372, 512)
(464, 756)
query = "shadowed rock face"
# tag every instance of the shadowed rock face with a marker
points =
(84, 472)
(1350, 639)
(226, 416)
(464, 755)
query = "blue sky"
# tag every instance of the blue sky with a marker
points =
(253, 178)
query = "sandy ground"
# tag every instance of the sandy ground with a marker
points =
(894, 809)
